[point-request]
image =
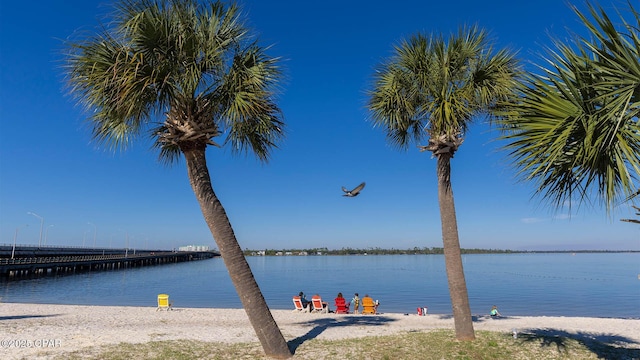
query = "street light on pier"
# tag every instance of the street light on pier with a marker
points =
(45, 234)
(15, 238)
(126, 250)
(95, 230)
(84, 238)
(41, 225)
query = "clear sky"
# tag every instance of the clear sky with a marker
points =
(50, 167)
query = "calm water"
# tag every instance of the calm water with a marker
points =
(599, 285)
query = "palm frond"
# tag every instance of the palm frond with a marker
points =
(250, 114)
(193, 64)
(435, 86)
(574, 130)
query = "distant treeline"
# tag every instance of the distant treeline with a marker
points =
(413, 251)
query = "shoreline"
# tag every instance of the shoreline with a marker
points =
(273, 310)
(33, 330)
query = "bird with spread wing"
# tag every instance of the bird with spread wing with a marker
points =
(354, 192)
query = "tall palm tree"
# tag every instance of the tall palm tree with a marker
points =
(433, 87)
(186, 73)
(574, 129)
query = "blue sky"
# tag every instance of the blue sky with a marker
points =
(50, 167)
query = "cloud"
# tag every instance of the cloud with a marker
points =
(531, 220)
(534, 220)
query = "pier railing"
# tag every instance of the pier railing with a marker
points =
(62, 259)
(37, 264)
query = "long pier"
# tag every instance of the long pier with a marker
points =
(29, 261)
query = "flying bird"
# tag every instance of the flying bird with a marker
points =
(354, 192)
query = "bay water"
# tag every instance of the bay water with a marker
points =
(549, 284)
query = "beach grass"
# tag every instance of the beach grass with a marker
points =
(436, 344)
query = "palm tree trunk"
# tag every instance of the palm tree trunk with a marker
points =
(260, 316)
(452, 257)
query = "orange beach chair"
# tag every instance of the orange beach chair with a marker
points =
(369, 306)
(319, 305)
(297, 302)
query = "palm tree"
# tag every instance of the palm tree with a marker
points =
(434, 88)
(186, 73)
(574, 129)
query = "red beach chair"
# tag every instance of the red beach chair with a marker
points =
(342, 306)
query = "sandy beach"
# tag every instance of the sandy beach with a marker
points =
(37, 331)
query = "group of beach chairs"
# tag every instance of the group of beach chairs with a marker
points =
(316, 305)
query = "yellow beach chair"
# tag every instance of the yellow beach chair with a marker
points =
(369, 306)
(163, 302)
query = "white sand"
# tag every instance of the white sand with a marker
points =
(35, 330)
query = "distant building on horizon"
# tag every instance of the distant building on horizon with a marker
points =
(194, 248)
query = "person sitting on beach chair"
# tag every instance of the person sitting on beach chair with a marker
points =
(318, 305)
(342, 306)
(369, 306)
(305, 303)
(299, 305)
